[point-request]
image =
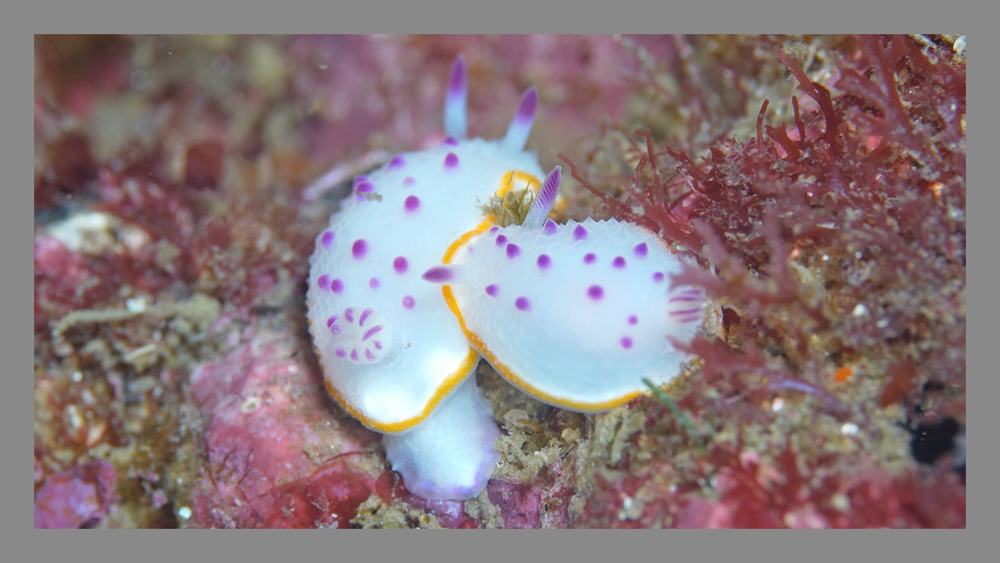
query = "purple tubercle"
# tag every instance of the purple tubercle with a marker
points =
(397, 162)
(522, 303)
(369, 355)
(544, 261)
(438, 274)
(494, 229)
(323, 282)
(658, 277)
(335, 329)
(364, 187)
(626, 342)
(358, 180)
(349, 314)
(337, 286)
(501, 240)
(354, 354)
(492, 290)
(409, 181)
(364, 316)
(641, 250)
(550, 227)
(513, 251)
(327, 239)
(341, 352)
(409, 302)
(451, 161)
(589, 258)
(633, 320)
(411, 204)
(359, 249)
(618, 262)
(373, 283)
(400, 265)
(452, 141)
(579, 233)
(331, 320)
(595, 292)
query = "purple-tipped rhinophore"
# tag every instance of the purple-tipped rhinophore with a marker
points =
(454, 102)
(520, 126)
(438, 274)
(543, 202)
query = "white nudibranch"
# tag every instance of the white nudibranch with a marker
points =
(575, 315)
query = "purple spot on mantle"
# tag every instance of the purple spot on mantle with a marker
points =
(331, 320)
(633, 320)
(579, 233)
(411, 204)
(492, 290)
(408, 302)
(349, 314)
(373, 283)
(450, 141)
(550, 227)
(369, 355)
(641, 250)
(400, 265)
(513, 251)
(618, 262)
(544, 261)
(362, 187)
(354, 354)
(358, 180)
(501, 240)
(589, 258)
(408, 181)
(494, 229)
(595, 292)
(658, 277)
(626, 342)
(337, 286)
(522, 303)
(323, 282)
(327, 239)
(359, 249)
(451, 161)
(341, 352)
(397, 162)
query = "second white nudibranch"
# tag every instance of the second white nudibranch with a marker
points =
(576, 315)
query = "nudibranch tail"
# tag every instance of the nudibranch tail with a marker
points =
(455, 101)
(520, 126)
(451, 454)
(544, 200)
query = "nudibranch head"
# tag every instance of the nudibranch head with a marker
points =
(390, 349)
(576, 315)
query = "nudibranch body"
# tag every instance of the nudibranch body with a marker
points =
(576, 315)
(390, 349)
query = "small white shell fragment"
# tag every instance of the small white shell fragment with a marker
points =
(451, 454)
(576, 315)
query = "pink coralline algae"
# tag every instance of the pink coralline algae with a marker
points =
(75, 498)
